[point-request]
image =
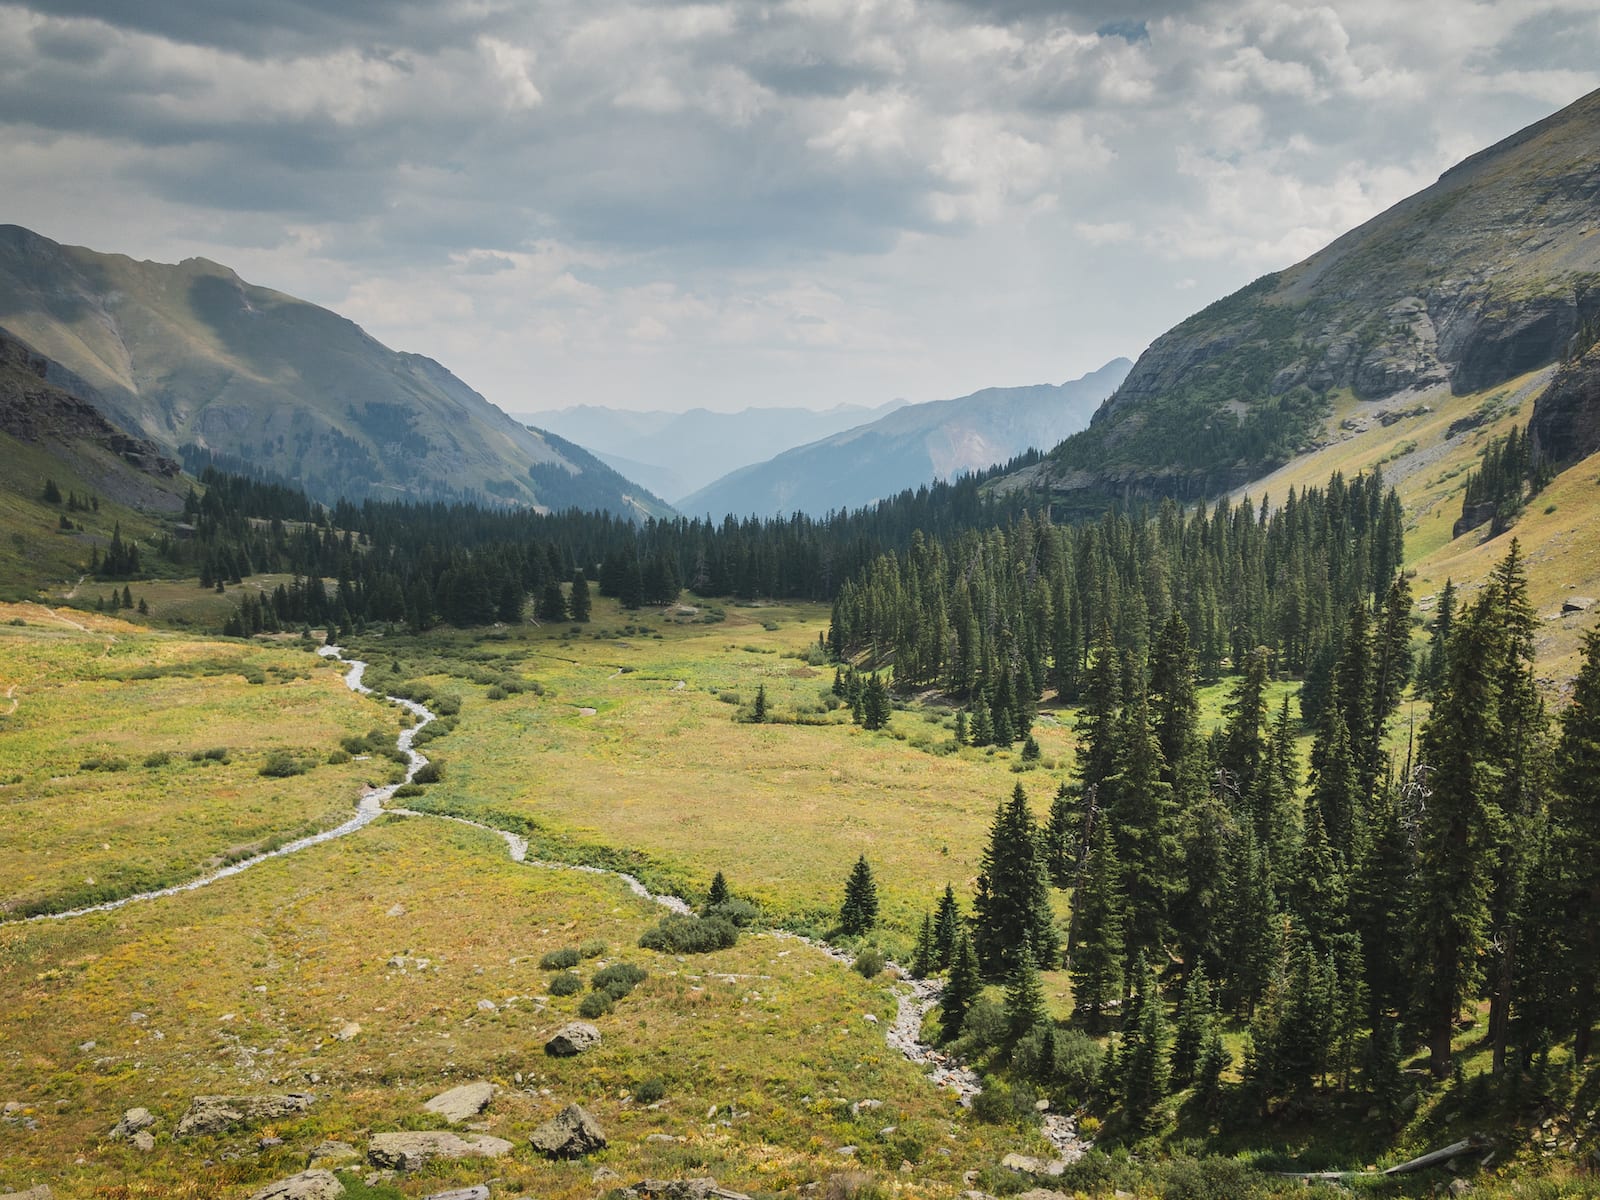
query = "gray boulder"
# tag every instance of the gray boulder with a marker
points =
(1026, 1164)
(135, 1120)
(571, 1133)
(476, 1192)
(572, 1038)
(214, 1114)
(408, 1151)
(42, 1192)
(682, 1189)
(144, 1141)
(308, 1185)
(461, 1103)
(326, 1154)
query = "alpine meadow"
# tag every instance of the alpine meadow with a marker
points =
(398, 801)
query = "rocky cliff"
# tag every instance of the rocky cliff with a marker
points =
(1480, 278)
(1565, 425)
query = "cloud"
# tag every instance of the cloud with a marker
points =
(801, 200)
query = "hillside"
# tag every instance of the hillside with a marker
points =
(1476, 280)
(909, 447)
(674, 454)
(193, 356)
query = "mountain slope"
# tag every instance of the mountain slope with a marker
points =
(192, 355)
(675, 454)
(1476, 280)
(909, 447)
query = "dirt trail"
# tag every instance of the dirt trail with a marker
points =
(11, 695)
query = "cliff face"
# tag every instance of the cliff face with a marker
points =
(1565, 425)
(1478, 279)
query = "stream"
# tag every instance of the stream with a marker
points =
(915, 997)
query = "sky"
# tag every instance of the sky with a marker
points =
(756, 202)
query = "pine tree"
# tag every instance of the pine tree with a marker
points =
(859, 912)
(552, 604)
(578, 603)
(961, 727)
(1146, 832)
(1195, 1019)
(925, 958)
(1098, 951)
(1576, 831)
(1145, 1073)
(963, 988)
(1060, 839)
(1174, 703)
(1012, 904)
(758, 713)
(718, 892)
(875, 703)
(946, 928)
(1244, 739)
(51, 493)
(1025, 1007)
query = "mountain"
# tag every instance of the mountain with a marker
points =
(1473, 282)
(211, 367)
(675, 454)
(910, 446)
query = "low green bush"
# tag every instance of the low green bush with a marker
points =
(678, 934)
(559, 960)
(565, 984)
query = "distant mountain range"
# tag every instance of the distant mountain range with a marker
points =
(210, 367)
(1484, 276)
(910, 446)
(674, 454)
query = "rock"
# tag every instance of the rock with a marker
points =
(1577, 604)
(408, 1151)
(461, 1103)
(603, 1175)
(308, 1185)
(1041, 1194)
(347, 1031)
(143, 1141)
(681, 1189)
(571, 1133)
(330, 1152)
(396, 910)
(572, 1038)
(133, 1121)
(269, 1143)
(1565, 425)
(476, 1192)
(1026, 1164)
(1460, 1187)
(213, 1114)
(42, 1192)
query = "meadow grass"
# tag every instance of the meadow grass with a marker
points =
(100, 784)
(403, 929)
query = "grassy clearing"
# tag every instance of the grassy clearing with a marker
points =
(101, 789)
(243, 985)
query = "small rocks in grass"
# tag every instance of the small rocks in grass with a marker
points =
(408, 1151)
(308, 1185)
(143, 1141)
(214, 1114)
(476, 1192)
(133, 1121)
(328, 1153)
(571, 1133)
(42, 1192)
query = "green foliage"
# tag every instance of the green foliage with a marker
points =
(650, 1090)
(679, 934)
(618, 979)
(859, 912)
(431, 771)
(564, 984)
(592, 947)
(560, 960)
(282, 764)
(1012, 903)
(595, 1004)
(868, 963)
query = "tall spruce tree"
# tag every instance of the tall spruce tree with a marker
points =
(1012, 902)
(946, 928)
(859, 912)
(1143, 1057)
(962, 990)
(1025, 1008)
(1576, 831)
(1147, 836)
(578, 603)
(1099, 949)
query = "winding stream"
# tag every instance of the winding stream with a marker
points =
(915, 997)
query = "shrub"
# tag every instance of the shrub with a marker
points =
(592, 948)
(595, 1004)
(678, 934)
(650, 1091)
(159, 759)
(103, 762)
(618, 979)
(335, 757)
(1001, 1103)
(984, 1027)
(869, 962)
(215, 754)
(281, 764)
(429, 772)
(565, 984)
(559, 960)
(742, 913)
(407, 790)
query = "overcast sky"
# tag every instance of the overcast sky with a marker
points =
(753, 202)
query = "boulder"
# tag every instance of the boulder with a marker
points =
(571, 1133)
(478, 1191)
(681, 1189)
(572, 1038)
(42, 1192)
(461, 1103)
(135, 1120)
(1029, 1165)
(143, 1141)
(326, 1154)
(214, 1114)
(1577, 604)
(408, 1151)
(308, 1185)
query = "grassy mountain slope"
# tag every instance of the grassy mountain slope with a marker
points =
(910, 446)
(1473, 282)
(193, 355)
(675, 454)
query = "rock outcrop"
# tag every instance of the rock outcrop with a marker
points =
(134, 1121)
(572, 1038)
(462, 1103)
(1565, 425)
(217, 1114)
(308, 1185)
(571, 1133)
(42, 1192)
(330, 1153)
(408, 1151)
(704, 1188)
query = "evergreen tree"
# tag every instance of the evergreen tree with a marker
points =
(859, 912)
(578, 603)
(1025, 1008)
(51, 493)
(963, 988)
(1433, 671)
(1145, 1072)
(718, 892)
(552, 604)
(1252, 922)
(946, 928)
(1012, 903)
(1060, 839)
(875, 703)
(1098, 951)
(1576, 831)
(1174, 702)
(758, 712)
(1244, 740)
(1196, 1016)
(925, 958)
(961, 727)
(1146, 831)
(1097, 724)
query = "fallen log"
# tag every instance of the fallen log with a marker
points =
(1422, 1163)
